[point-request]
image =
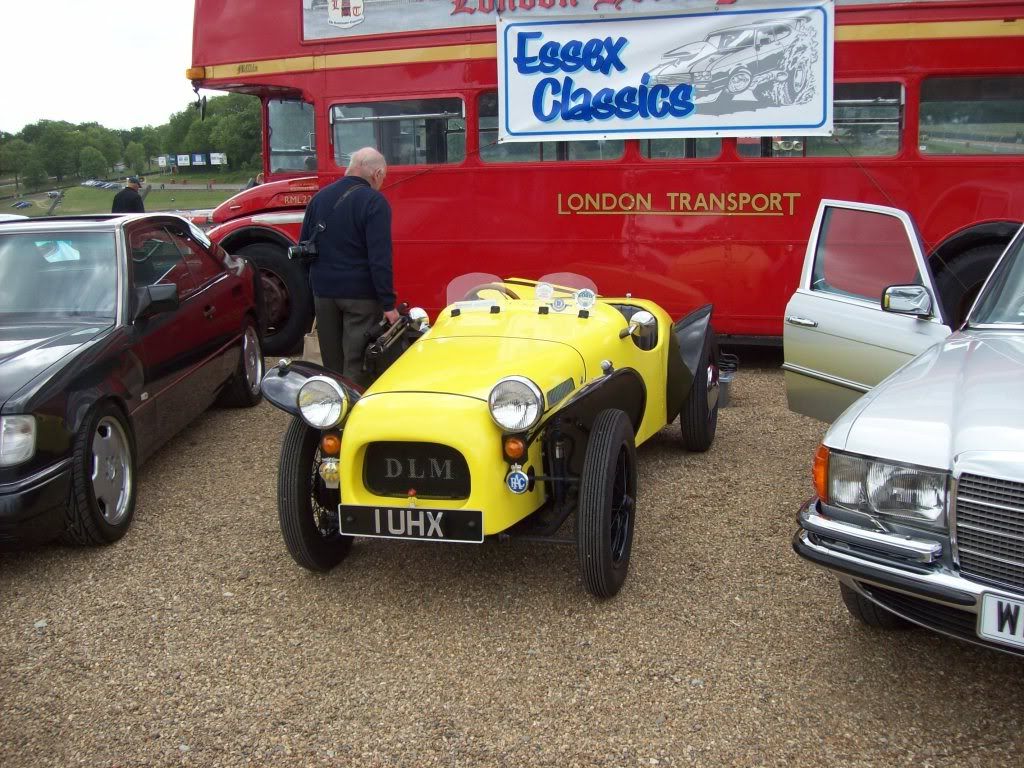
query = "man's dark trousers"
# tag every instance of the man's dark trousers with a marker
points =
(342, 326)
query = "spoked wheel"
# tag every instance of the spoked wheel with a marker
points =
(607, 504)
(102, 498)
(307, 511)
(700, 411)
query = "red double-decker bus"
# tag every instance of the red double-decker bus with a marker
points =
(928, 116)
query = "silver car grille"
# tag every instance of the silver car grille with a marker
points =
(683, 78)
(990, 529)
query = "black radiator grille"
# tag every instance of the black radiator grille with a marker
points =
(432, 470)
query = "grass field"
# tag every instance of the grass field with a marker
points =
(88, 200)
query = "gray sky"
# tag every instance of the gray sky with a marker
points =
(120, 63)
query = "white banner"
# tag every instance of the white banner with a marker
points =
(761, 71)
(184, 160)
(218, 158)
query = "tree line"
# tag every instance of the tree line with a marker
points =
(56, 149)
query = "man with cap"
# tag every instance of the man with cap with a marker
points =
(128, 200)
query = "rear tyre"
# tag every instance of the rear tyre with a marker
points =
(869, 614)
(699, 420)
(959, 283)
(243, 390)
(306, 510)
(607, 504)
(287, 299)
(101, 502)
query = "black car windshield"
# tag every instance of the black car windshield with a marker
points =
(66, 274)
(1002, 302)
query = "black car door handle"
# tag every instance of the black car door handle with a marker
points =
(209, 311)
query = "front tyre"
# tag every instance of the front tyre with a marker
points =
(101, 502)
(699, 420)
(869, 614)
(306, 510)
(607, 504)
(287, 298)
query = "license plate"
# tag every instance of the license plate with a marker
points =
(456, 525)
(1002, 620)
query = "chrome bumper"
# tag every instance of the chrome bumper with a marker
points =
(911, 566)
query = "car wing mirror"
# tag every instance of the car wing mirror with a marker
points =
(907, 300)
(153, 300)
(419, 320)
(641, 325)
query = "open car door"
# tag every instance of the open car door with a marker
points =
(865, 305)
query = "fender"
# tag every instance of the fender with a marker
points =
(282, 383)
(685, 344)
(623, 389)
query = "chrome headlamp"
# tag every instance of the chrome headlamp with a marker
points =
(516, 404)
(323, 402)
(17, 439)
(901, 492)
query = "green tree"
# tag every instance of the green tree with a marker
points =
(35, 174)
(239, 136)
(58, 149)
(14, 156)
(135, 157)
(92, 163)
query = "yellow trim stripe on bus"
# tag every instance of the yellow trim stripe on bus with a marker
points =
(934, 30)
(847, 33)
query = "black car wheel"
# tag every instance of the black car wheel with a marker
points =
(960, 282)
(699, 419)
(307, 511)
(607, 504)
(869, 614)
(101, 503)
(243, 390)
(287, 299)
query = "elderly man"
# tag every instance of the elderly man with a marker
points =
(128, 200)
(352, 275)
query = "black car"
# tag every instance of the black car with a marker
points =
(115, 332)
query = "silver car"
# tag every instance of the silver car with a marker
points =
(919, 509)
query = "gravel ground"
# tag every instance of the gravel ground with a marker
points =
(197, 641)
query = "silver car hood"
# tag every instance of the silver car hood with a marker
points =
(964, 394)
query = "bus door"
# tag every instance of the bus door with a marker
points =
(846, 328)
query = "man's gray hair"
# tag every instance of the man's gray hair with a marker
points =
(364, 162)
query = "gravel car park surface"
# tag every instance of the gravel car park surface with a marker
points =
(197, 641)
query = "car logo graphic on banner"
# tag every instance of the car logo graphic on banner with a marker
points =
(723, 73)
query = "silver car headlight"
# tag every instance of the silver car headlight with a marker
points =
(323, 402)
(516, 404)
(899, 491)
(17, 439)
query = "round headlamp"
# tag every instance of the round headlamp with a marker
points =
(516, 404)
(322, 402)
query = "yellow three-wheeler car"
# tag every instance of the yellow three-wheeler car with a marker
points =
(521, 405)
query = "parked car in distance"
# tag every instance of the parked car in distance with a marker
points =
(521, 406)
(919, 506)
(115, 332)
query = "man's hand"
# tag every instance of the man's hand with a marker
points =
(391, 316)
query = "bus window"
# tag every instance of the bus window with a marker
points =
(411, 132)
(972, 116)
(292, 136)
(867, 122)
(667, 149)
(535, 151)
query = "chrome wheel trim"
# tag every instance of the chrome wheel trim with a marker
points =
(111, 470)
(252, 360)
(712, 374)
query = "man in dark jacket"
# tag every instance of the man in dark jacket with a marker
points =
(352, 275)
(128, 200)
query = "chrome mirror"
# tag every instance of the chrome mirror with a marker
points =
(907, 300)
(641, 325)
(419, 319)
